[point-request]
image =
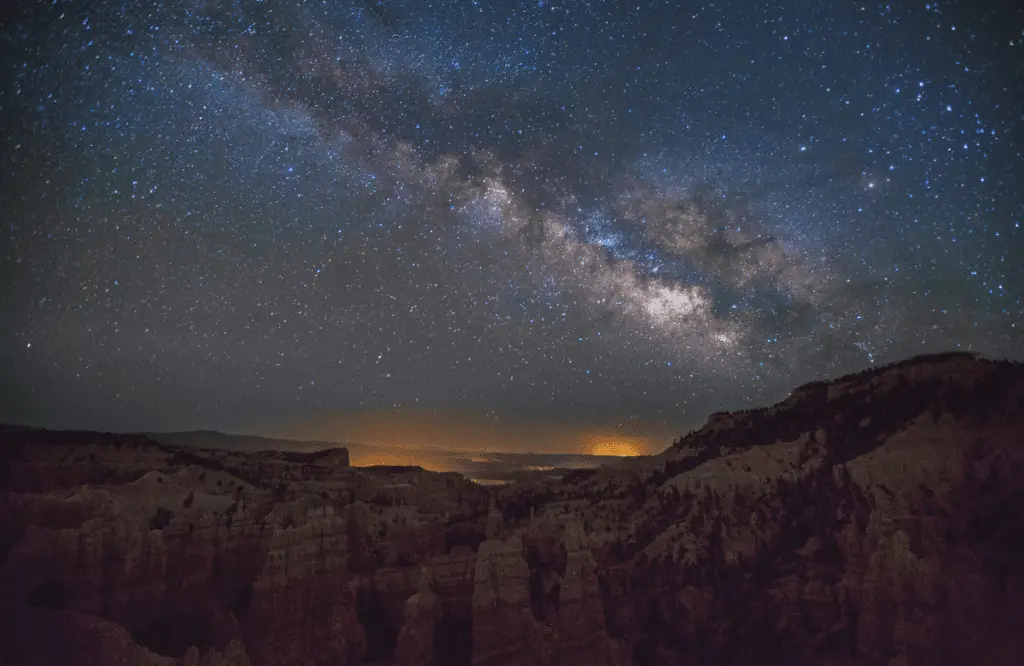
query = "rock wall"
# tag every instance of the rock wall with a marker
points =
(866, 525)
(200, 580)
(502, 622)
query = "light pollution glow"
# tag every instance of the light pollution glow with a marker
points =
(427, 437)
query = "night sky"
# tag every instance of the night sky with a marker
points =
(591, 217)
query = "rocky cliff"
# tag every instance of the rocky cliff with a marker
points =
(875, 519)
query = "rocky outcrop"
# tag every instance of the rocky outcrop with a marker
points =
(502, 623)
(214, 555)
(415, 644)
(581, 628)
(514, 622)
(862, 521)
(43, 637)
(871, 520)
(305, 593)
(200, 580)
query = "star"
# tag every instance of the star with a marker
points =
(583, 215)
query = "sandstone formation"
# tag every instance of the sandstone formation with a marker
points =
(875, 519)
(274, 557)
(416, 640)
(871, 520)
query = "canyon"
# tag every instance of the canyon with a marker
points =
(876, 518)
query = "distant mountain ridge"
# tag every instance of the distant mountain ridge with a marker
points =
(499, 467)
(484, 466)
(213, 439)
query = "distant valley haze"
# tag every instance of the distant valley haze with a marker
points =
(478, 465)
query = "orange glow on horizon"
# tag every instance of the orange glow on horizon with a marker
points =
(616, 445)
(391, 458)
(426, 437)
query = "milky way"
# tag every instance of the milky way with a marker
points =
(622, 215)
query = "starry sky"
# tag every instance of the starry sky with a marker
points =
(555, 220)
